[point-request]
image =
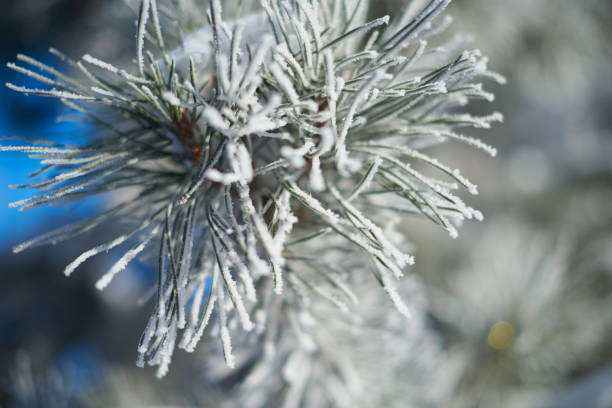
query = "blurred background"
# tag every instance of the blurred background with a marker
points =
(521, 302)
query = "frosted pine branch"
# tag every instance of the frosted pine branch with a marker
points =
(251, 139)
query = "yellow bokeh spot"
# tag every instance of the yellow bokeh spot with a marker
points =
(500, 335)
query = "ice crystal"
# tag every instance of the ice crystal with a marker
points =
(233, 146)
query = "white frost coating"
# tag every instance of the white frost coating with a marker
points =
(198, 45)
(166, 352)
(286, 59)
(330, 76)
(368, 26)
(327, 141)
(100, 64)
(226, 342)
(296, 156)
(285, 83)
(125, 259)
(219, 177)
(213, 118)
(438, 87)
(103, 91)
(395, 297)
(193, 315)
(477, 90)
(215, 11)
(247, 281)
(476, 121)
(230, 284)
(171, 98)
(345, 166)
(37, 149)
(456, 173)
(478, 62)
(198, 334)
(140, 36)
(367, 180)
(244, 163)
(48, 92)
(478, 65)
(261, 121)
(92, 252)
(223, 74)
(240, 161)
(387, 247)
(272, 249)
(31, 202)
(184, 267)
(146, 337)
(304, 37)
(313, 21)
(314, 204)
(285, 222)
(236, 52)
(315, 180)
(286, 219)
(471, 141)
(274, 252)
(424, 17)
(244, 273)
(158, 31)
(102, 162)
(72, 161)
(494, 117)
(465, 210)
(250, 76)
(43, 67)
(258, 266)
